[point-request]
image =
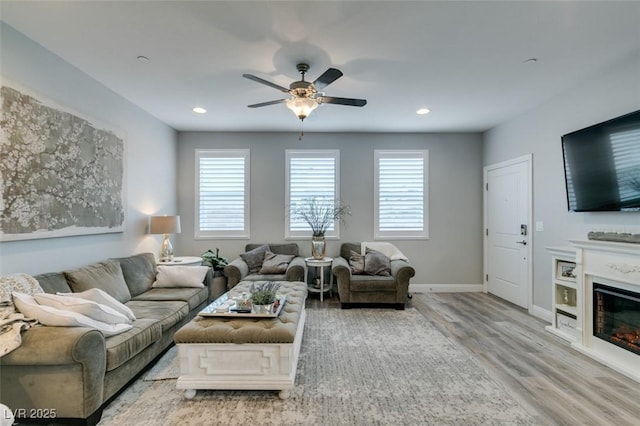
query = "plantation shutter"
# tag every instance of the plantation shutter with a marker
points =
(311, 175)
(223, 204)
(401, 207)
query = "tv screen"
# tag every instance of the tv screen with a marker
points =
(602, 166)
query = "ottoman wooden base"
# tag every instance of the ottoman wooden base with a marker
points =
(250, 366)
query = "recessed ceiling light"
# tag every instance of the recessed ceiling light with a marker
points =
(199, 110)
(142, 58)
(423, 111)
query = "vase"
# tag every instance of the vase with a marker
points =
(318, 246)
(262, 309)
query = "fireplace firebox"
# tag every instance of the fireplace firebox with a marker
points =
(616, 316)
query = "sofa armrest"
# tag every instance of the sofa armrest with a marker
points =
(235, 272)
(342, 272)
(402, 271)
(55, 368)
(295, 270)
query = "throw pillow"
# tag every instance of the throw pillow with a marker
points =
(47, 315)
(356, 263)
(88, 308)
(21, 283)
(139, 272)
(376, 263)
(106, 276)
(255, 257)
(102, 297)
(275, 263)
(180, 276)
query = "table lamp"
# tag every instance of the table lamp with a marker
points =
(165, 225)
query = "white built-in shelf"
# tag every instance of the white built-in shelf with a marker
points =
(564, 293)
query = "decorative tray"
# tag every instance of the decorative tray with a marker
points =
(225, 307)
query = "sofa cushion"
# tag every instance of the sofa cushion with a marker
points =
(123, 347)
(96, 311)
(254, 258)
(139, 272)
(193, 296)
(53, 282)
(275, 263)
(169, 313)
(106, 276)
(288, 248)
(373, 283)
(376, 263)
(48, 315)
(180, 276)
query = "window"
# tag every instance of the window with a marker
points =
(310, 174)
(400, 199)
(222, 193)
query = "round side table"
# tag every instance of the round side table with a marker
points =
(321, 264)
(183, 260)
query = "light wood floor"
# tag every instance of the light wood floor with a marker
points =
(558, 385)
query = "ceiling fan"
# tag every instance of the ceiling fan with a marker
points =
(305, 96)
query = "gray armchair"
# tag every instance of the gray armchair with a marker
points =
(355, 290)
(238, 270)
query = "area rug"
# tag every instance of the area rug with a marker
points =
(356, 367)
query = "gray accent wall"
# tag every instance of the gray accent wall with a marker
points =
(451, 255)
(150, 152)
(615, 92)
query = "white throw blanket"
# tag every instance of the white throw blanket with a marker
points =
(388, 249)
(12, 323)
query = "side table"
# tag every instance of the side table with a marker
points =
(183, 260)
(321, 264)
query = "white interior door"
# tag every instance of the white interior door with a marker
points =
(507, 234)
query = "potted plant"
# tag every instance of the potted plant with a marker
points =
(319, 214)
(263, 296)
(214, 260)
(217, 263)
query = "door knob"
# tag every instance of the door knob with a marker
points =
(523, 242)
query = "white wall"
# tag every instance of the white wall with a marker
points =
(538, 131)
(150, 159)
(452, 254)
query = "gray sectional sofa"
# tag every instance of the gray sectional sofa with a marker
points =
(74, 372)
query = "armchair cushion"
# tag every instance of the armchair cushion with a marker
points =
(275, 263)
(254, 258)
(356, 263)
(376, 263)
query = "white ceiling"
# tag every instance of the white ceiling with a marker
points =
(463, 60)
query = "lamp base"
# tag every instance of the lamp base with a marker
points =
(166, 250)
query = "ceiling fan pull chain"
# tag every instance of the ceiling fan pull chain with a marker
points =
(301, 131)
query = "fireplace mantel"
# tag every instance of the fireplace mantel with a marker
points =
(613, 264)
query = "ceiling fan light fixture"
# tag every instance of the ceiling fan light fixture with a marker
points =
(302, 107)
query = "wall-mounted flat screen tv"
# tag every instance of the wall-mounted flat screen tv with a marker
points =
(602, 166)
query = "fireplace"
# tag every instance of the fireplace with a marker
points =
(616, 316)
(608, 304)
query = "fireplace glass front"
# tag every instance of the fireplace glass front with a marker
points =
(616, 316)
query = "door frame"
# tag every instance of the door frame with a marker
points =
(528, 159)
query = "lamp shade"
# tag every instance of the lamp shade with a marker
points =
(164, 225)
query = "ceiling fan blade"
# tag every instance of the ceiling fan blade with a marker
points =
(279, 101)
(342, 101)
(328, 77)
(265, 82)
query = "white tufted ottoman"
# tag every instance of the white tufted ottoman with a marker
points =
(243, 353)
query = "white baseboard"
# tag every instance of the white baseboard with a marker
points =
(542, 313)
(445, 288)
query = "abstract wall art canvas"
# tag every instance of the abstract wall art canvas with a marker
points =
(60, 173)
